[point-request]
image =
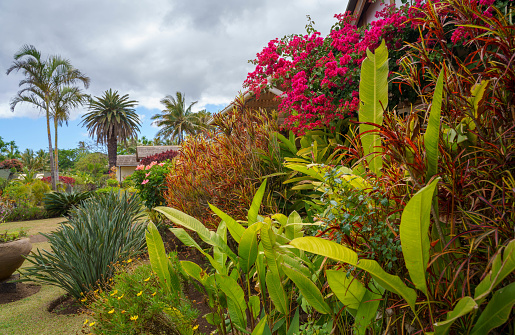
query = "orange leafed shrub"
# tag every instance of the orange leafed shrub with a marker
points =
(224, 167)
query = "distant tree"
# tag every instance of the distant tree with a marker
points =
(94, 164)
(43, 79)
(202, 119)
(111, 119)
(176, 120)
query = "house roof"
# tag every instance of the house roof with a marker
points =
(126, 160)
(145, 151)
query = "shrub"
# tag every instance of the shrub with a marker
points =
(63, 179)
(136, 304)
(18, 192)
(60, 204)
(104, 190)
(27, 213)
(6, 207)
(104, 230)
(112, 183)
(161, 157)
(11, 164)
(150, 181)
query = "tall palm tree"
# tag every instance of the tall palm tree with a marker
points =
(42, 79)
(112, 118)
(175, 120)
(202, 119)
(63, 101)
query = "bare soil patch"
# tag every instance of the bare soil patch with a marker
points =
(22, 291)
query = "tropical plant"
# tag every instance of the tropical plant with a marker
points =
(160, 157)
(176, 120)
(135, 303)
(150, 181)
(61, 203)
(12, 164)
(104, 230)
(111, 119)
(43, 79)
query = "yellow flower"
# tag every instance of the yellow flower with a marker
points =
(140, 293)
(85, 321)
(123, 311)
(114, 292)
(195, 328)
(121, 296)
(153, 294)
(129, 260)
(134, 318)
(111, 311)
(148, 278)
(91, 324)
(83, 299)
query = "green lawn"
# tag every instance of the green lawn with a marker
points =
(29, 316)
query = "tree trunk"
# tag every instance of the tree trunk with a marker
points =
(111, 150)
(56, 153)
(51, 152)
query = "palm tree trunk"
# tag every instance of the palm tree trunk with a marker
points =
(56, 152)
(51, 152)
(111, 150)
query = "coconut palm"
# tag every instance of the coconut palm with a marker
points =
(112, 118)
(202, 119)
(175, 120)
(43, 78)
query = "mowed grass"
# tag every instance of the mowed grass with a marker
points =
(30, 316)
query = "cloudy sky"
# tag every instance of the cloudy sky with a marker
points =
(146, 49)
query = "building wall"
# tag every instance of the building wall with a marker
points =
(370, 15)
(124, 171)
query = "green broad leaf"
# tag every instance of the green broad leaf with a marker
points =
(248, 248)
(185, 238)
(276, 292)
(432, 134)
(414, 233)
(234, 227)
(287, 142)
(254, 305)
(340, 253)
(213, 319)
(293, 226)
(218, 254)
(186, 221)
(235, 299)
(501, 267)
(158, 258)
(349, 291)
(294, 324)
(193, 270)
(497, 311)
(373, 94)
(268, 242)
(256, 204)
(367, 311)
(309, 290)
(260, 327)
(463, 307)
(310, 171)
(261, 269)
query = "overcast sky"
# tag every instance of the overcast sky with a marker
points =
(146, 49)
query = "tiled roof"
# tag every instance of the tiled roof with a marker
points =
(145, 151)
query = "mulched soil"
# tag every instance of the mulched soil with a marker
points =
(22, 291)
(65, 305)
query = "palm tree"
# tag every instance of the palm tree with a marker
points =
(64, 100)
(175, 120)
(112, 118)
(202, 119)
(42, 79)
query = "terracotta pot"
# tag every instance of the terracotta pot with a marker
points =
(11, 256)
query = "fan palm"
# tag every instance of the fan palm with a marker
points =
(175, 120)
(112, 118)
(43, 78)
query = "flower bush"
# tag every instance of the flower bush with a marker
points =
(135, 303)
(11, 164)
(63, 179)
(149, 180)
(320, 76)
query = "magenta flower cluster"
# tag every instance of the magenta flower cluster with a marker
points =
(320, 76)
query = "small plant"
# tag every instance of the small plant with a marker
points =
(112, 183)
(7, 237)
(27, 213)
(6, 208)
(103, 230)
(60, 204)
(135, 303)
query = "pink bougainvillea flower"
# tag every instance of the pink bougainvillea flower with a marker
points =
(144, 182)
